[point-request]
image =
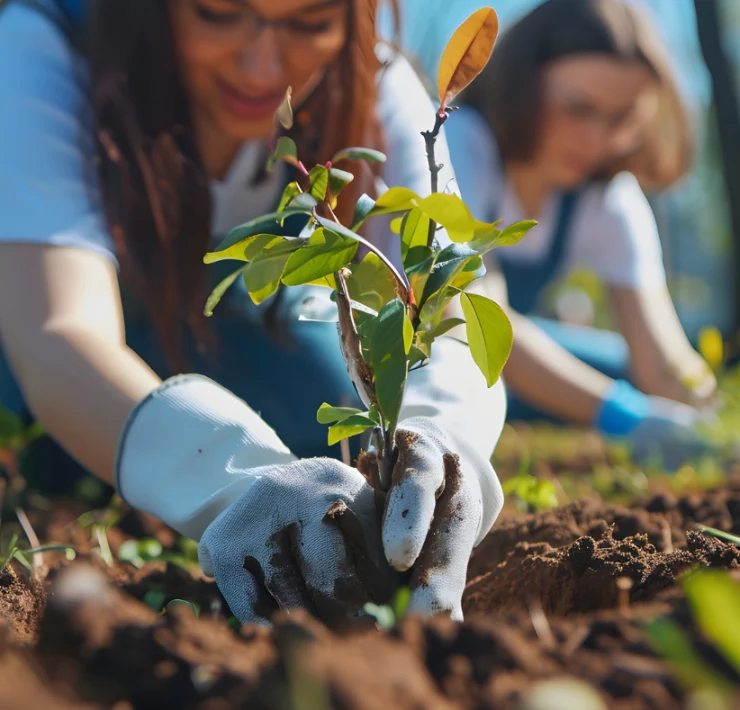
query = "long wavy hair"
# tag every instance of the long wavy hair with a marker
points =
(509, 91)
(154, 188)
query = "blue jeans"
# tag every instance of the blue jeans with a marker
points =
(604, 350)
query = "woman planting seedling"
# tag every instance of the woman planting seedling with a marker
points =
(576, 112)
(132, 137)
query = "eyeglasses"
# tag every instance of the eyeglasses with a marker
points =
(579, 108)
(311, 25)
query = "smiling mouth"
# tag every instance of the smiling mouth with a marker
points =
(249, 105)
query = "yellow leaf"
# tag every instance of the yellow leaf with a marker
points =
(711, 346)
(466, 54)
(452, 213)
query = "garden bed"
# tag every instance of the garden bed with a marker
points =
(562, 594)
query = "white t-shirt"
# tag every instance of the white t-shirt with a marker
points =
(613, 229)
(48, 188)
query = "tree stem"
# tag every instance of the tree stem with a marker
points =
(430, 137)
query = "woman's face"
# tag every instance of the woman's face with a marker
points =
(593, 109)
(238, 57)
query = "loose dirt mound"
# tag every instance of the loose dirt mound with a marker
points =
(563, 593)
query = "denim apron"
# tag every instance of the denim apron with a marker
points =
(603, 350)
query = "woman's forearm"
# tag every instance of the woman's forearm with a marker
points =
(550, 378)
(81, 387)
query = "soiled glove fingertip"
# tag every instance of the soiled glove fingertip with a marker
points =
(405, 530)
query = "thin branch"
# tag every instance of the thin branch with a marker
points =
(430, 137)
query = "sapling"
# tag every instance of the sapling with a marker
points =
(388, 317)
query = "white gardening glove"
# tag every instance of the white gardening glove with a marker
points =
(206, 464)
(445, 494)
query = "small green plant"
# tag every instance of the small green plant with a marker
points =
(13, 549)
(388, 615)
(532, 493)
(388, 319)
(97, 523)
(139, 552)
(714, 601)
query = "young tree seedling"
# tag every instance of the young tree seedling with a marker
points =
(388, 318)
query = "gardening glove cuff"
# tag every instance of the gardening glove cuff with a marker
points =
(449, 402)
(622, 410)
(186, 452)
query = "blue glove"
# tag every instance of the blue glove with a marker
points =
(659, 431)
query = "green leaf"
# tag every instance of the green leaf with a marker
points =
(489, 332)
(286, 150)
(417, 355)
(473, 269)
(261, 225)
(408, 334)
(217, 294)
(324, 254)
(351, 426)
(236, 251)
(259, 243)
(154, 599)
(714, 598)
(338, 180)
(418, 276)
(262, 276)
(367, 154)
(335, 228)
(330, 415)
(319, 177)
(363, 208)
(453, 214)
(514, 233)
(493, 238)
(291, 191)
(182, 603)
(387, 357)
(414, 231)
(416, 256)
(720, 534)
(304, 201)
(447, 265)
(396, 199)
(371, 283)
(446, 326)
(401, 601)
(670, 641)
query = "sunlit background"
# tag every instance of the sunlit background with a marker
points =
(693, 217)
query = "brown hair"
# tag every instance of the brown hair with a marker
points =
(508, 93)
(154, 187)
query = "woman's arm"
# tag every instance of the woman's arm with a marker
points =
(663, 360)
(542, 371)
(62, 330)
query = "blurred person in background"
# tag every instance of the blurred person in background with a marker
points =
(575, 114)
(132, 136)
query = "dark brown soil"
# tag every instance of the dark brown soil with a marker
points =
(558, 594)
